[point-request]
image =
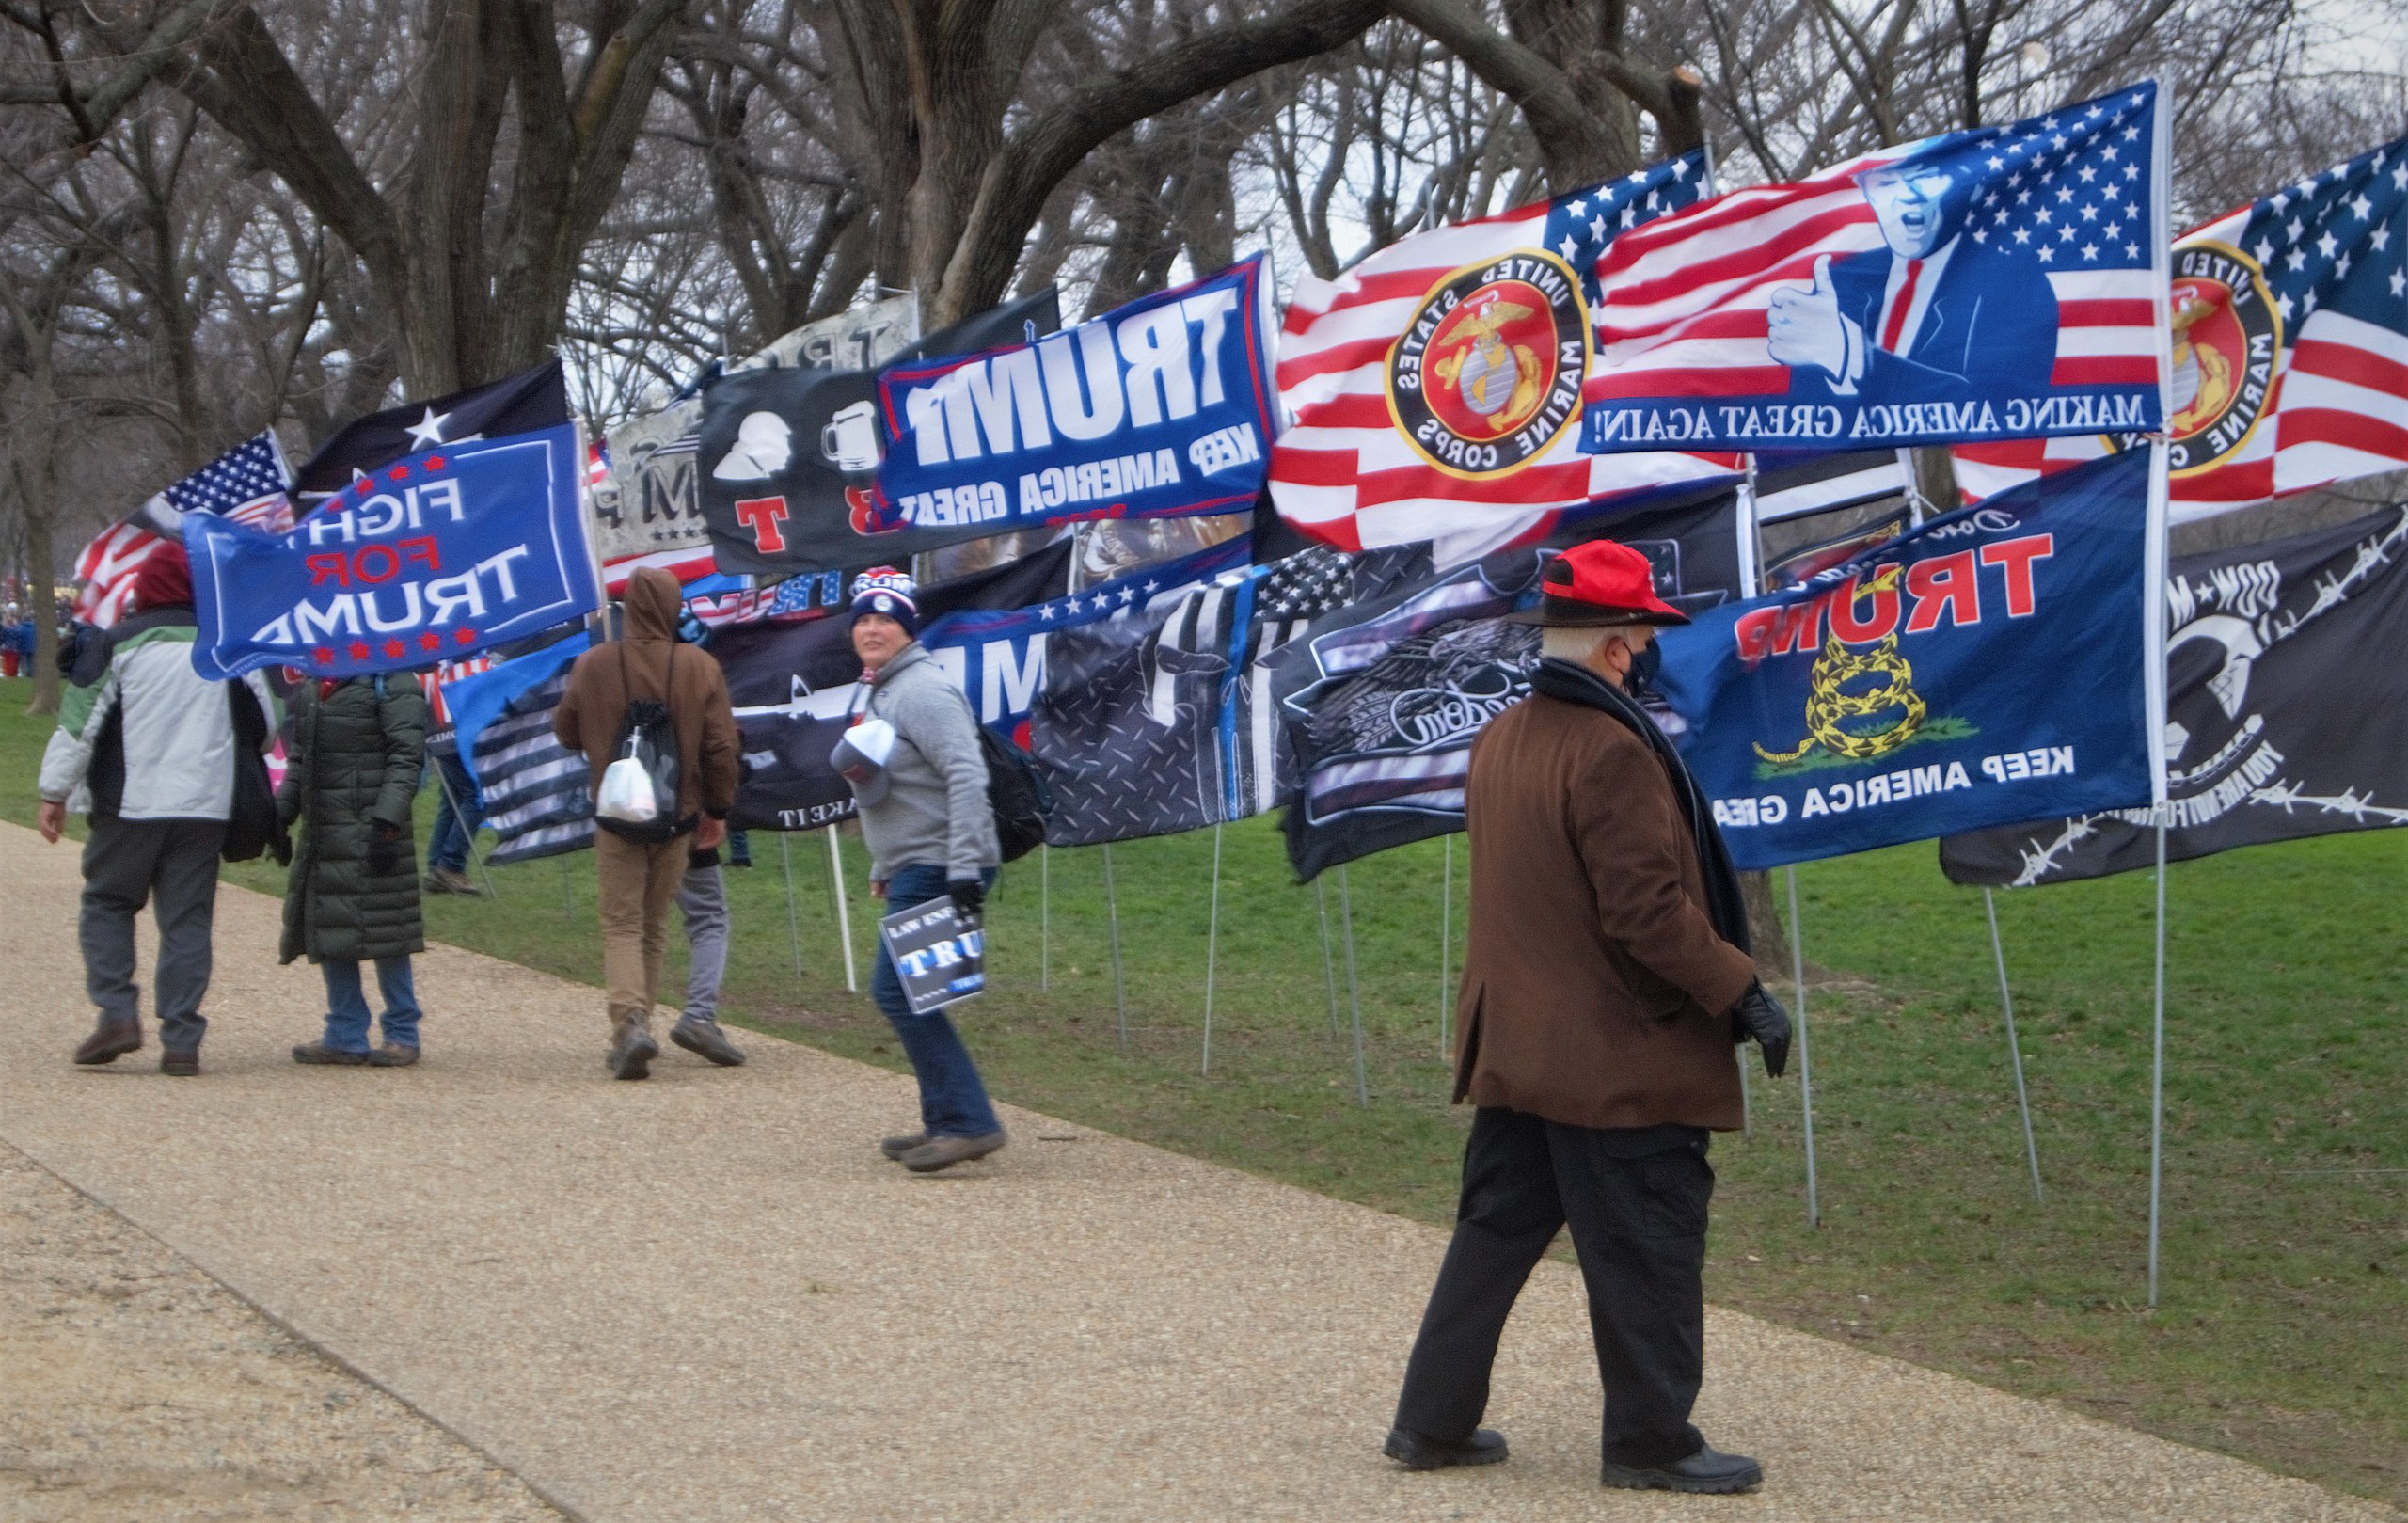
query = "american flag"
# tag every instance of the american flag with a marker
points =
(247, 483)
(1479, 448)
(2290, 348)
(2069, 204)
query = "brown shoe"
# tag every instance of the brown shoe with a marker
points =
(944, 1152)
(317, 1053)
(449, 881)
(110, 1041)
(631, 1055)
(180, 1065)
(393, 1055)
(896, 1148)
(703, 1039)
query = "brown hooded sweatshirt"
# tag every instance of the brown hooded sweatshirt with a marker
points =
(658, 666)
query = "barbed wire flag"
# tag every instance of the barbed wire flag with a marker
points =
(1433, 390)
(2002, 282)
(2290, 349)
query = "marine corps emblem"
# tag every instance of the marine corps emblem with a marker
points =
(2228, 341)
(1488, 373)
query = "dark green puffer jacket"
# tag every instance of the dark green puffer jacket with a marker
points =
(355, 761)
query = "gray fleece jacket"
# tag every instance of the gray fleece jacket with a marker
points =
(936, 809)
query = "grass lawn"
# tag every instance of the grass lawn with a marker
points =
(2283, 1331)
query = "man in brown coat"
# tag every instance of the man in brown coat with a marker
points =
(639, 879)
(1606, 980)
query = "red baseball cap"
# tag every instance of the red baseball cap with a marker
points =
(1598, 583)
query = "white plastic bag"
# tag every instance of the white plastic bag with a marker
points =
(627, 792)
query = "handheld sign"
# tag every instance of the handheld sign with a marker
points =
(939, 953)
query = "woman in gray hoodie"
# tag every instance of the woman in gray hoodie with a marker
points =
(930, 831)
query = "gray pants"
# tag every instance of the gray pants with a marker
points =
(701, 899)
(171, 865)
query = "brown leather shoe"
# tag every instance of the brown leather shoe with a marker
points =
(180, 1065)
(944, 1152)
(110, 1041)
(449, 881)
(319, 1053)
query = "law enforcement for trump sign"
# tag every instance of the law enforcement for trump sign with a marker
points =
(433, 557)
(939, 953)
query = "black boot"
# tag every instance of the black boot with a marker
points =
(1485, 1446)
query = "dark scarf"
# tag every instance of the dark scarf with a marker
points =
(1571, 684)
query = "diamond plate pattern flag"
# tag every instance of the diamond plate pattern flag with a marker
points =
(2290, 349)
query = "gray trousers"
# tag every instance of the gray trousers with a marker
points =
(171, 865)
(701, 900)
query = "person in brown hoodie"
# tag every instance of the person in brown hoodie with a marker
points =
(640, 878)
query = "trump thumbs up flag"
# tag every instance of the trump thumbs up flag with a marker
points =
(2003, 282)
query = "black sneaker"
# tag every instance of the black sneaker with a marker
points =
(631, 1055)
(1707, 1472)
(703, 1039)
(319, 1053)
(1485, 1446)
(896, 1148)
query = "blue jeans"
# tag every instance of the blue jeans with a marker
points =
(953, 1099)
(347, 1003)
(455, 830)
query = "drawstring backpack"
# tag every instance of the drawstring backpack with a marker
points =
(638, 800)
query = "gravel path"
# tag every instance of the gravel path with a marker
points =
(706, 1298)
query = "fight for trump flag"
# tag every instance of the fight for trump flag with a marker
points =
(2001, 282)
(1988, 667)
(1433, 390)
(439, 554)
(245, 485)
(2290, 349)
(2287, 709)
(1159, 408)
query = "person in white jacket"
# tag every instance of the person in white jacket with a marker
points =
(144, 745)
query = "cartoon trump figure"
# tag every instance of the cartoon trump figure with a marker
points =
(1937, 314)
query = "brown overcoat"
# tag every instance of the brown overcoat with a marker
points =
(689, 679)
(1596, 992)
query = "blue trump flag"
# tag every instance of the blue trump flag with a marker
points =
(434, 556)
(1155, 409)
(2002, 282)
(1989, 667)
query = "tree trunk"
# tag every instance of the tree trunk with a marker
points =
(1764, 924)
(34, 464)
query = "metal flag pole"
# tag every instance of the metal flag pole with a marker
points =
(568, 904)
(843, 911)
(1211, 950)
(1044, 917)
(2157, 1069)
(1328, 962)
(2014, 1046)
(1746, 1105)
(1805, 1058)
(460, 822)
(1353, 989)
(794, 925)
(1446, 930)
(1112, 913)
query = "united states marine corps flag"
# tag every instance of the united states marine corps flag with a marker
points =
(2290, 348)
(1435, 390)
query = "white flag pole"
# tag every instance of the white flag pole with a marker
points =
(794, 925)
(2153, 621)
(844, 912)
(2014, 1046)
(1805, 1058)
(1353, 988)
(1044, 917)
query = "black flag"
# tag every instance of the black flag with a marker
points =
(788, 457)
(2286, 706)
(519, 403)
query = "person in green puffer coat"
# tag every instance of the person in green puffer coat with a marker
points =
(357, 747)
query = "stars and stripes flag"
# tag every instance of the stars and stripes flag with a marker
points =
(247, 485)
(2290, 348)
(2001, 282)
(1433, 390)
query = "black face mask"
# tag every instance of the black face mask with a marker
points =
(1644, 664)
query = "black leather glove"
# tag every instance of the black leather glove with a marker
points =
(383, 847)
(1760, 1015)
(969, 896)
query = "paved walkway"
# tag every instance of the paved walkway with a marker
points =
(706, 1298)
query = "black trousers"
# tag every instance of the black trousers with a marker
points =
(1636, 1201)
